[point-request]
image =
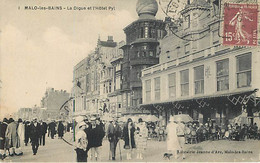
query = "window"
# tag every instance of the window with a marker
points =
(148, 90)
(142, 32)
(187, 49)
(150, 32)
(184, 82)
(199, 79)
(222, 75)
(172, 85)
(244, 64)
(215, 37)
(157, 88)
(178, 50)
(151, 53)
(110, 86)
(146, 32)
(195, 44)
(187, 22)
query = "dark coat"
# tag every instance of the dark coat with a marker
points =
(27, 129)
(3, 127)
(44, 127)
(52, 126)
(127, 138)
(60, 129)
(35, 132)
(95, 136)
(113, 133)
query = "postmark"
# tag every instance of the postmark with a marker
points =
(240, 24)
(172, 8)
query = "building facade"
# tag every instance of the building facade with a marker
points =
(199, 76)
(141, 51)
(25, 113)
(54, 105)
(93, 79)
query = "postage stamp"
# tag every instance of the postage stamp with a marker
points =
(240, 24)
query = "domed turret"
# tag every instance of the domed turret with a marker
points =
(146, 8)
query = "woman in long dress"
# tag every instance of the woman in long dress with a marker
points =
(21, 137)
(128, 135)
(141, 137)
(172, 139)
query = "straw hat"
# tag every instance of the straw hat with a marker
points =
(82, 124)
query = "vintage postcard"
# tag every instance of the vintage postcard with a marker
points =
(129, 81)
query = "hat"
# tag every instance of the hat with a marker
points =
(82, 124)
(92, 119)
(171, 119)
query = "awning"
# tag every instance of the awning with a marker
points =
(232, 98)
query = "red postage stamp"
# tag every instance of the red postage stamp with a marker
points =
(240, 24)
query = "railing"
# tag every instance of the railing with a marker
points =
(184, 59)
(218, 49)
(156, 68)
(171, 63)
(198, 54)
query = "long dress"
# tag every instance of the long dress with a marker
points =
(172, 138)
(141, 137)
(21, 137)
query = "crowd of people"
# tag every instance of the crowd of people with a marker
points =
(90, 134)
(195, 132)
(14, 135)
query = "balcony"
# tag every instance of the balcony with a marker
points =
(199, 54)
(135, 84)
(184, 59)
(171, 64)
(218, 49)
(144, 61)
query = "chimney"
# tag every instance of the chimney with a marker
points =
(110, 39)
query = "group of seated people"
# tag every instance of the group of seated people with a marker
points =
(195, 133)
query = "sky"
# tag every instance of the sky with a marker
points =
(38, 49)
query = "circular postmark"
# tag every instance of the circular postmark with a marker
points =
(172, 8)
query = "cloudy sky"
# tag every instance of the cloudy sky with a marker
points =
(38, 49)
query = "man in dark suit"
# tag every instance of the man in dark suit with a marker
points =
(52, 127)
(35, 130)
(43, 132)
(113, 134)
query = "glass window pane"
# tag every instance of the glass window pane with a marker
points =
(199, 73)
(172, 81)
(222, 67)
(244, 62)
(148, 85)
(184, 76)
(157, 83)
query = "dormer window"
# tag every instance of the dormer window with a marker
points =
(187, 22)
(187, 49)
(167, 53)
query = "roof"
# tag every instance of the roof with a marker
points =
(198, 3)
(108, 43)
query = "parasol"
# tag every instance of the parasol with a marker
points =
(183, 118)
(150, 118)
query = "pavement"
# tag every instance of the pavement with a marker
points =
(56, 150)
